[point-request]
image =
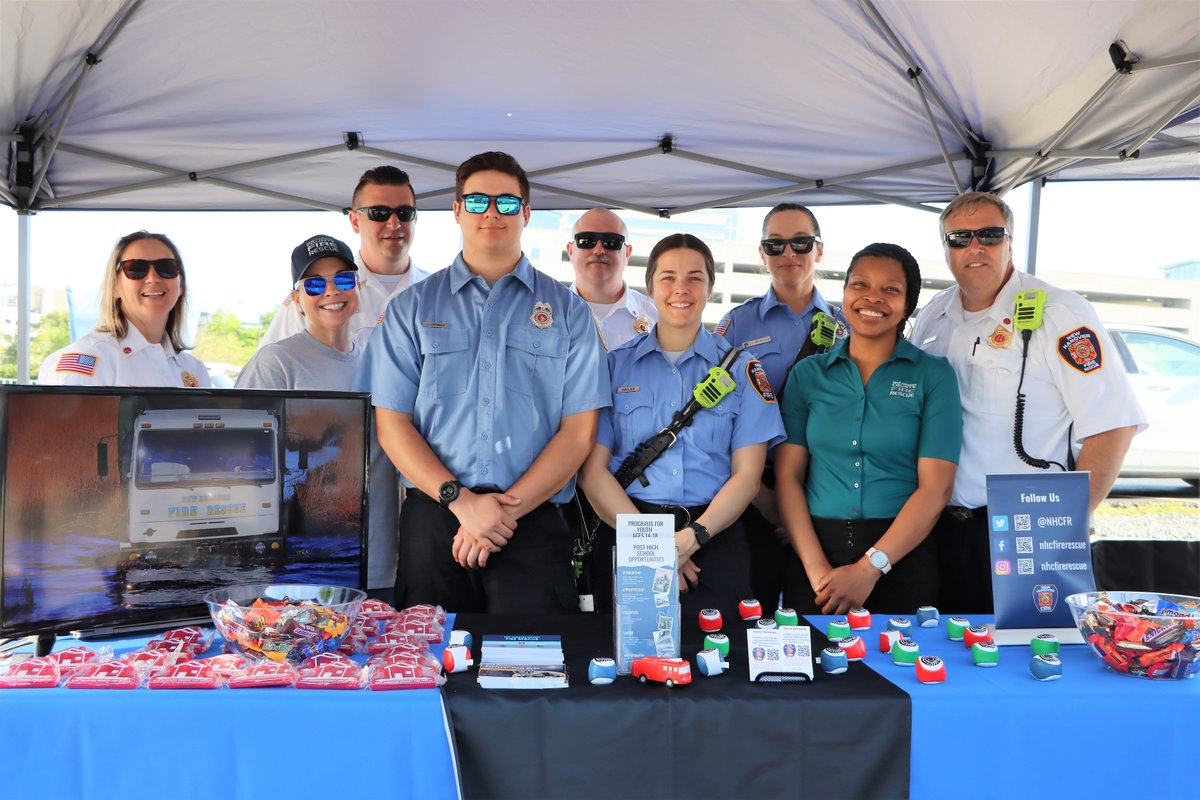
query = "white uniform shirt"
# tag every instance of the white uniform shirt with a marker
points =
(373, 298)
(100, 359)
(1075, 383)
(633, 316)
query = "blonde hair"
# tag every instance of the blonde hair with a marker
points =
(111, 320)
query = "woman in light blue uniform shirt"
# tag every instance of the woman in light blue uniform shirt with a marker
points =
(711, 473)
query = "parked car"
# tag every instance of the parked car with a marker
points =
(1164, 367)
(671, 671)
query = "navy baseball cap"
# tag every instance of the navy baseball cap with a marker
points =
(314, 249)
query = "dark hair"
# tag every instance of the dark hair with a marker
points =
(493, 161)
(681, 241)
(791, 207)
(383, 175)
(112, 318)
(912, 273)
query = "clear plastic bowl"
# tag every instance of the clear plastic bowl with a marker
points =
(1143, 634)
(291, 622)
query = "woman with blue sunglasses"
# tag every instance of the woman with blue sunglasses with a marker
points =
(138, 340)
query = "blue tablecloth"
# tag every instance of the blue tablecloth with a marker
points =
(243, 743)
(997, 732)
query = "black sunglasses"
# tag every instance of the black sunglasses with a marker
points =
(384, 213)
(611, 241)
(800, 245)
(138, 268)
(986, 236)
(315, 286)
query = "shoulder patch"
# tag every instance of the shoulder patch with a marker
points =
(79, 363)
(723, 325)
(1081, 350)
(758, 380)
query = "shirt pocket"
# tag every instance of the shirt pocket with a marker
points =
(448, 362)
(535, 362)
(634, 414)
(714, 427)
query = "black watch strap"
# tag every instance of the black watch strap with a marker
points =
(448, 492)
(702, 534)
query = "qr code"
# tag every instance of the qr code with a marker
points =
(1024, 544)
(1024, 566)
(772, 654)
(1021, 522)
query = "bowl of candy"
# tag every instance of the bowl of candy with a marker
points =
(291, 622)
(1143, 634)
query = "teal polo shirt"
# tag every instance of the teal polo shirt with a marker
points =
(864, 441)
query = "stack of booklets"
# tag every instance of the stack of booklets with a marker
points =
(522, 662)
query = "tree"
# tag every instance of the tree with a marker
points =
(224, 339)
(52, 332)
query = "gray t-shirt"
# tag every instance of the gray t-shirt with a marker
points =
(302, 362)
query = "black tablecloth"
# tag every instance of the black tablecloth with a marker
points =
(844, 736)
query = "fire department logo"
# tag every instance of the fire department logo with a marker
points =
(641, 324)
(1045, 597)
(1000, 338)
(189, 380)
(542, 316)
(758, 380)
(1081, 349)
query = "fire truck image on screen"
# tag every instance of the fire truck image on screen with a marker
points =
(204, 475)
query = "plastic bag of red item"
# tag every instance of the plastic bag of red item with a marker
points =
(332, 675)
(73, 658)
(321, 659)
(191, 640)
(372, 608)
(149, 662)
(354, 644)
(406, 657)
(392, 639)
(435, 613)
(388, 677)
(105, 675)
(34, 673)
(262, 675)
(188, 675)
(227, 664)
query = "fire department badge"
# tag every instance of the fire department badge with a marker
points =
(641, 324)
(189, 380)
(1081, 349)
(543, 316)
(759, 382)
(1001, 338)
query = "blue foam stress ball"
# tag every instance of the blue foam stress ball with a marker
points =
(1045, 667)
(602, 671)
(834, 660)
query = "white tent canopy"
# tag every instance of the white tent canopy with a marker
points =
(661, 106)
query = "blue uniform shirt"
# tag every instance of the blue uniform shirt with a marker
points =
(647, 389)
(863, 442)
(772, 332)
(487, 373)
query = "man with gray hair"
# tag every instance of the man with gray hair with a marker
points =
(1075, 414)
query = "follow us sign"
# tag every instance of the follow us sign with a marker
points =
(1040, 554)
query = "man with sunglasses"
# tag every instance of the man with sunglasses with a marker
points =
(775, 327)
(1079, 410)
(383, 213)
(487, 379)
(599, 252)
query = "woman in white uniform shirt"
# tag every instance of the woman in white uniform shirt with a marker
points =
(138, 340)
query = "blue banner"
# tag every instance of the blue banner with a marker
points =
(1040, 554)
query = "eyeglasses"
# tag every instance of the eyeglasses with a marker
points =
(986, 236)
(611, 241)
(138, 268)
(384, 213)
(506, 204)
(316, 285)
(800, 245)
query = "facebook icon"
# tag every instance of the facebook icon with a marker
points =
(1002, 545)
(999, 522)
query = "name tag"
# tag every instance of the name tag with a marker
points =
(433, 324)
(627, 389)
(930, 339)
(753, 342)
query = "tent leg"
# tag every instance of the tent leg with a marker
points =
(23, 295)
(1035, 213)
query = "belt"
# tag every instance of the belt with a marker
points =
(962, 513)
(683, 514)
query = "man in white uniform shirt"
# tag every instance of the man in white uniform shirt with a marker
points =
(599, 252)
(1080, 412)
(384, 215)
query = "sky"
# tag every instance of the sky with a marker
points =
(239, 260)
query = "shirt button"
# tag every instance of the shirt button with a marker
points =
(436, 345)
(484, 437)
(673, 404)
(536, 345)
(674, 472)
(487, 365)
(487, 333)
(484, 471)
(486, 400)
(854, 442)
(855, 485)
(858, 463)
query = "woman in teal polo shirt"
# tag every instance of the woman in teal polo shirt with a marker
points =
(874, 430)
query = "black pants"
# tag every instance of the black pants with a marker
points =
(530, 575)
(911, 583)
(724, 573)
(964, 562)
(771, 561)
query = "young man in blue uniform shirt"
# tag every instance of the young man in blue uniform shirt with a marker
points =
(487, 379)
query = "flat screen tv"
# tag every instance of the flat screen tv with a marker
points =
(120, 508)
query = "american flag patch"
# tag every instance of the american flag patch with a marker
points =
(76, 362)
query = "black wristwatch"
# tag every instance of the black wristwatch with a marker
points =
(702, 534)
(448, 493)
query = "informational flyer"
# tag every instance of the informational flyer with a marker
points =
(1040, 553)
(646, 614)
(780, 655)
